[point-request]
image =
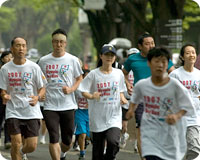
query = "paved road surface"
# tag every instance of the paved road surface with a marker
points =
(42, 153)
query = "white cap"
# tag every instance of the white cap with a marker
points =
(133, 51)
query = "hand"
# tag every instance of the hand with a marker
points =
(43, 98)
(129, 114)
(172, 119)
(123, 100)
(96, 95)
(6, 98)
(66, 90)
(129, 88)
(34, 100)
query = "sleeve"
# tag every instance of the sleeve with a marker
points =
(170, 64)
(184, 99)
(122, 82)
(86, 83)
(3, 84)
(77, 68)
(173, 74)
(136, 96)
(41, 80)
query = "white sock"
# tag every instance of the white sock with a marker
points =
(63, 154)
(42, 137)
(22, 153)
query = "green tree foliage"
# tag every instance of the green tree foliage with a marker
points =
(35, 19)
(192, 12)
(7, 16)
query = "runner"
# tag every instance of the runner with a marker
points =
(166, 101)
(64, 74)
(104, 86)
(138, 64)
(189, 76)
(82, 120)
(22, 84)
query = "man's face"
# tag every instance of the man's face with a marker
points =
(59, 43)
(158, 65)
(19, 48)
(148, 43)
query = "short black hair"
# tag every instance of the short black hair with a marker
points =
(141, 38)
(5, 53)
(59, 31)
(183, 50)
(158, 52)
(13, 40)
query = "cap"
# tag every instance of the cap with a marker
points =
(108, 48)
(132, 51)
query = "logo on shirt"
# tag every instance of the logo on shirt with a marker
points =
(64, 68)
(27, 78)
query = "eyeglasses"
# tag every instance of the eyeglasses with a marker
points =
(57, 41)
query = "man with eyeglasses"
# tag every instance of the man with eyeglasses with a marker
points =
(64, 74)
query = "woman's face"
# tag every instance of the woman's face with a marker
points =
(7, 58)
(108, 58)
(190, 55)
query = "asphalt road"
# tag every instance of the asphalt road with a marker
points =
(42, 151)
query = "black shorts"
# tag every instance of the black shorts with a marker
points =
(27, 128)
(138, 114)
(42, 110)
(62, 119)
(124, 111)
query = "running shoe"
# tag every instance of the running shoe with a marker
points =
(1, 157)
(24, 157)
(81, 157)
(123, 140)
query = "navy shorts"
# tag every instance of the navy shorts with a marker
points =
(138, 114)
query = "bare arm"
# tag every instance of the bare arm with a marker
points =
(68, 90)
(131, 110)
(95, 95)
(6, 97)
(128, 85)
(39, 97)
(123, 100)
(171, 69)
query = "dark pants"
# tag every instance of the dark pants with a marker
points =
(153, 158)
(2, 118)
(112, 138)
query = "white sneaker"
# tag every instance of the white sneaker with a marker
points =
(24, 157)
(76, 148)
(123, 140)
(42, 140)
(1, 157)
(135, 147)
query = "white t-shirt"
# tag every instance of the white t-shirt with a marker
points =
(106, 112)
(81, 100)
(60, 71)
(191, 80)
(158, 137)
(22, 81)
